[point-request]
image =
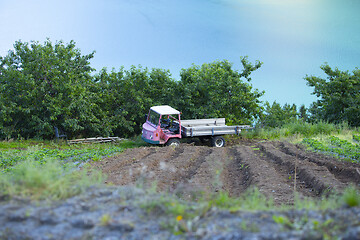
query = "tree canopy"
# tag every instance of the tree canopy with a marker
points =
(339, 96)
(276, 115)
(43, 86)
(127, 96)
(217, 90)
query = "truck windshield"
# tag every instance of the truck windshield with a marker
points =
(154, 117)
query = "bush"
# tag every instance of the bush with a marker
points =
(310, 129)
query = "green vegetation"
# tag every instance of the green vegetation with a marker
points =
(43, 86)
(216, 90)
(105, 219)
(75, 154)
(40, 173)
(351, 197)
(283, 221)
(276, 116)
(327, 228)
(21, 144)
(44, 180)
(181, 216)
(50, 170)
(336, 146)
(48, 85)
(297, 128)
(339, 96)
(339, 140)
(250, 200)
(331, 201)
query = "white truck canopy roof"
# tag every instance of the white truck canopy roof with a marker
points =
(165, 110)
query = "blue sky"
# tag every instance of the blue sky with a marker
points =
(293, 38)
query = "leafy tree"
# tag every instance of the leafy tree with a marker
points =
(303, 113)
(128, 95)
(216, 90)
(43, 86)
(275, 116)
(339, 96)
(48, 85)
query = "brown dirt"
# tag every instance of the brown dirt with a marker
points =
(188, 170)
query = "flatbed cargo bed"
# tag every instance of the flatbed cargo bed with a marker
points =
(209, 127)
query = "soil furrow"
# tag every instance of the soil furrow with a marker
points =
(190, 171)
(139, 168)
(343, 171)
(174, 171)
(204, 175)
(266, 175)
(236, 175)
(287, 174)
(314, 176)
(126, 159)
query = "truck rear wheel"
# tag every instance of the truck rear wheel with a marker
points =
(218, 141)
(173, 142)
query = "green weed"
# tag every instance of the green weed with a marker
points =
(283, 221)
(329, 202)
(105, 220)
(43, 180)
(249, 227)
(253, 199)
(223, 201)
(351, 197)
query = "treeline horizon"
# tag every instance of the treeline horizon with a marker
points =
(48, 85)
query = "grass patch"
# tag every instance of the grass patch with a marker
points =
(78, 154)
(182, 216)
(351, 197)
(21, 144)
(51, 170)
(251, 200)
(300, 129)
(330, 202)
(47, 180)
(172, 206)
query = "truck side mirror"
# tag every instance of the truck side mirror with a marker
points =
(146, 116)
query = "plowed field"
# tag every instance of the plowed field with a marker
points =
(276, 168)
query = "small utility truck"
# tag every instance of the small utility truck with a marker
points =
(164, 126)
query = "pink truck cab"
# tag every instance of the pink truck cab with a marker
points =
(162, 126)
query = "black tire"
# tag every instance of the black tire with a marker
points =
(173, 142)
(218, 141)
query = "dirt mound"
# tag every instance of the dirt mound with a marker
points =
(276, 168)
